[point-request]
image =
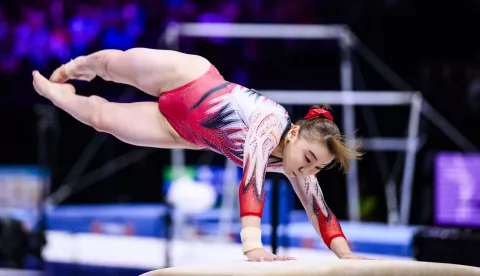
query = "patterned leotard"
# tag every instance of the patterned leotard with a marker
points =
(244, 126)
(215, 114)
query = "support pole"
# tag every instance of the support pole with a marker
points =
(346, 85)
(275, 208)
(409, 169)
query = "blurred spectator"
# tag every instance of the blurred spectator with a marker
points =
(134, 19)
(181, 10)
(3, 26)
(58, 45)
(84, 27)
(57, 14)
(222, 12)
(122, 26)
(32, 37)
(43, 33)
(8, 63)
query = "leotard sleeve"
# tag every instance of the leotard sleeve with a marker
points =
(322, 218)
(263, 136)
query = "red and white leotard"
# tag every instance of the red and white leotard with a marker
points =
(244, 126)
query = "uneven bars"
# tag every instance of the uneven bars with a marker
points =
(279, 31)
(369, 98)
(273, 31)
(387, 144)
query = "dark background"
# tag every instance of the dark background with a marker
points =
(432, 45)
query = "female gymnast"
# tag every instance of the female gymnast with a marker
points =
(200, 109)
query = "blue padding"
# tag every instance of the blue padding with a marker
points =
(138, 220)
(25, 170)
(148, 220)
(374, 238)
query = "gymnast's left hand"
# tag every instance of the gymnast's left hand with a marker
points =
(261, 255)
(351, 256)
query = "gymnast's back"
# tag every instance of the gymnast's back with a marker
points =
(213, 113)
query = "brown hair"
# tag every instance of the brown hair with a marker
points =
(323, 130)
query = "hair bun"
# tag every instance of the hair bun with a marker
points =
(319, 113)
(326, 107)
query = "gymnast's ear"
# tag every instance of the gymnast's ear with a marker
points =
(293, 132)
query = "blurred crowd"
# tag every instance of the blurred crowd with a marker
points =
(55, 30)
(43, 34)
(41, 31)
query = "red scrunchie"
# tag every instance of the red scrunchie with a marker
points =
(317, 113)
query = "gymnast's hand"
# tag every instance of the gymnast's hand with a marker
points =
(261, 255)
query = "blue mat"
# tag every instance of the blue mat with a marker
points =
(149, 221)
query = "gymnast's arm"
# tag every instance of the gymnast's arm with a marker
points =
(322, 218)
(262, 138)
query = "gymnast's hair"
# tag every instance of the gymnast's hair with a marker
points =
(321, 129)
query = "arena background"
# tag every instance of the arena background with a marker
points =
(88, 203)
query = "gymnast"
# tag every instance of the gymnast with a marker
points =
(197, 108)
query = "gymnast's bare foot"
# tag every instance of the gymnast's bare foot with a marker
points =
(48, 89)
(73, 70)
(261, 255)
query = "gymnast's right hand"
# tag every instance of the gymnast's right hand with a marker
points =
(261, 255)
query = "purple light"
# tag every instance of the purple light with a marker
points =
(457, 189)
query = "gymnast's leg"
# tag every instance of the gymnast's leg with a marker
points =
(150, 70)
(139, 124)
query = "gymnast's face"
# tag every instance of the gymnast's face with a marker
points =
(302, 157)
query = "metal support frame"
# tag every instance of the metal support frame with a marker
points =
(346, 85)
(409, 167)
(347, 97)
(47, 134)
(408, 145)
(68, 185)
